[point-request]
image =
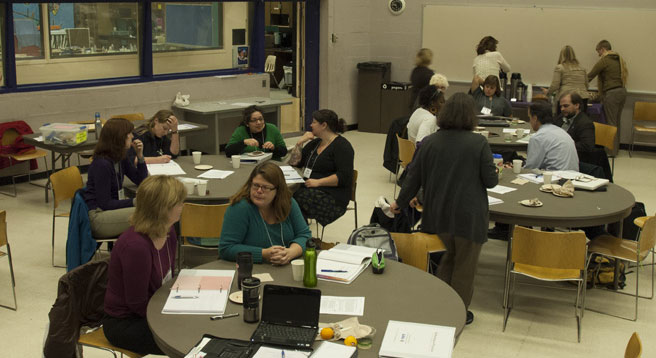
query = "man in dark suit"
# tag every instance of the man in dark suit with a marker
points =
(576, 123)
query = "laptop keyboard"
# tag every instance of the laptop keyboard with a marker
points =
(295, 334)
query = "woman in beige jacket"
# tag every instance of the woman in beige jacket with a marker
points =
(569, 76)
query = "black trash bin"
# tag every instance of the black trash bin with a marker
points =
(371, 76)
(395, 102)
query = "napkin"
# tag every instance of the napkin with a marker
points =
(566, 190)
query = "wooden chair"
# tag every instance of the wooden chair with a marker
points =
(4, 241)
(354, 186)
(199, 220)
(415, 249)
(97, 339)
(605, 137)
(547, 256)
(406, 153)
(634, 347)
(642, 112)
(8, 138)
(64, 185)
(130, 116)
(629, 250)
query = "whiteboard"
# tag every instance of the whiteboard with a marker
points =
(530, 39)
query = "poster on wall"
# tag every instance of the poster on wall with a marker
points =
(240, 56)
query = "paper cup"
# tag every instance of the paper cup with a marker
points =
(196, 156)
(236, 160)
(517, 166)
(546, 177)
(202, 187)
(189, 186)
(297, 269)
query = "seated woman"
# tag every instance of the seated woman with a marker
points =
(158, 147)
(430, 99)
(256, 135)
(327, 162)
(142, 261)
(488, 100)
(429, 126)
(264, 219)
(109, 210)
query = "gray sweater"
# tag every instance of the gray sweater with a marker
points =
(454, 167)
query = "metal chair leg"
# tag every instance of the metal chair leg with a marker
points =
(13, 280)
(355, 213)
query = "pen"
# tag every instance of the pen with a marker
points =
(214, 318)
(333, 271)
(180, 297)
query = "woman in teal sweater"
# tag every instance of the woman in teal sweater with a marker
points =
(256, 135)
(264, 219)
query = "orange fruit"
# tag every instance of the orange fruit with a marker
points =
(351, 341)
(327, 333)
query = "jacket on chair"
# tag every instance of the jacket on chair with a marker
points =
(18, 147)
(80, 244)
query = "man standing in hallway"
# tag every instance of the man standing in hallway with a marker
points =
(611, 73)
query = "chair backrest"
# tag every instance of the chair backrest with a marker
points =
(130, 116)
(406, 150)
(199, 220)
(634, 347)
(65, 183)
(644, 111)
(270, 64)
(605, 135)
(3, 228)
(559, 250)
(9, 136)
(414, 249)
(354, 184)
(647, 237)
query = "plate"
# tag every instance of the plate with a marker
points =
(255, 153)
(549, 188)
(527, 202)
(203, 167)
(237, 297)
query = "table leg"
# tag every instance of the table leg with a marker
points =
(617, 261)
(506, 280)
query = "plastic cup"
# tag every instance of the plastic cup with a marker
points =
(236, 160)
(485, 134)
(507, 137)
(546, 176)
(520, 133)
(297, 269)
(517, 166)
(202, 187)
(196, 156)
(189, 186)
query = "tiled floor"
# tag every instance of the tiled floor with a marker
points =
(541, 325)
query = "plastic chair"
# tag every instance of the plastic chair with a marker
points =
(605, 136)
(4, 241)
(415, 249)
(634, 347)
(64, 185)
(199, 220)
(270, 68)
(642, 112)
(97, 339)
(406, 153)
(629, 250)
(8, 138)
(547, 256)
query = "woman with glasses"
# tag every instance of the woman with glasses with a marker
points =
(160, 137)
(264, 219)
(488, 99)
(256, 135)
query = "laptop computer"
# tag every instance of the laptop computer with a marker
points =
(290, 316)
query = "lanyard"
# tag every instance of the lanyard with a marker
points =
(117, 170)
(161, 269)
(266, 228)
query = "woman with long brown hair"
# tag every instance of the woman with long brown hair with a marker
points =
(109, 210)
(264, 219)
(160, 137)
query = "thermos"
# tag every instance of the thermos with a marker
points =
(250, 288)
(97, 124)
(515, 80)
(503, 79)
(310, 262)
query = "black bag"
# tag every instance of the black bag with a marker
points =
(601, 272)
(629, 229)
(403, 222)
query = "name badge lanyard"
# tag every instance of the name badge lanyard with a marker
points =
(266, 228)
(168, 276)
(307, 172)
(119, 184)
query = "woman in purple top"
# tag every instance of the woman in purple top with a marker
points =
(142, 260)
(109, 210)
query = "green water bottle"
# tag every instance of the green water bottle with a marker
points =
(310, 262)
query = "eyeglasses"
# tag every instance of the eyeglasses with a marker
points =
(265, 188)
(261, 119)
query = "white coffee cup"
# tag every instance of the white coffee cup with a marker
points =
(202, 187)
(517, 166)
(236, 160)
(297, 269)
(485, 134)
(546, 177)
(189, 185)
(196, 156)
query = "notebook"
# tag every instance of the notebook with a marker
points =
(290, 316)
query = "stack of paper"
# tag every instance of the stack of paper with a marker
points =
(417, 340)
(291, 175)
(170, 168)
(250, 158)
(500, 189)
(538, 179)
(343, 263)
(199, 292)
(580, 180)
(334, 350)
(215, 174)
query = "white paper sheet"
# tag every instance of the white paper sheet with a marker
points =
(39, 138)
(348, 306)
(170, 168)
(493, 201)
(500, 189)
(215, 174)
(183, 126)
(242, 104)
(270, 352)
(291, 175)
(417, 340)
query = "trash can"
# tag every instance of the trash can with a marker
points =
(371, 76)
(395, 103)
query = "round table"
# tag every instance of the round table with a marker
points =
(401, 293)
(497, 141)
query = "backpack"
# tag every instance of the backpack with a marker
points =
(602, 272)
(373, 235)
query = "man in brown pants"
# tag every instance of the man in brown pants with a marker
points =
(612, 74)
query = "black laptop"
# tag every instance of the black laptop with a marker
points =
(290, 316)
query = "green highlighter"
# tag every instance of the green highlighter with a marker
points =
(378, 261)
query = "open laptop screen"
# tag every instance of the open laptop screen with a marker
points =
(294, 306)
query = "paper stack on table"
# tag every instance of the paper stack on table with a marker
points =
(215, 174)
(343, 263)
(199, 292)
(417, 340)
(170, 168)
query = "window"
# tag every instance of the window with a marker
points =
(27, 31)
(172, 31)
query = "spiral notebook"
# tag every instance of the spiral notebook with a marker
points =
(199, 292)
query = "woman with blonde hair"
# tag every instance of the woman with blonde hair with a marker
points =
(569, 76)
(421, 74)
(160, 137)
(142, 261)
(264, 219)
